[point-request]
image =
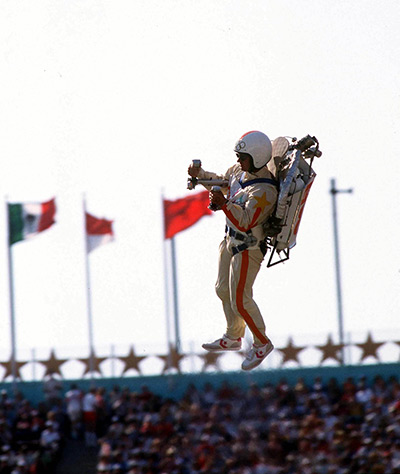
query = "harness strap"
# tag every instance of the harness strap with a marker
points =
(237, 235)
(234, 234)
(239, 248)
(257, 180)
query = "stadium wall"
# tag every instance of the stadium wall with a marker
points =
(175, 385)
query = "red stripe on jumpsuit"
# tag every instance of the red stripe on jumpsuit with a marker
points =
(235, 222)
(239, 298)
(255, 217)
(233, 219)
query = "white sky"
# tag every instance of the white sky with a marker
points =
(115, 98)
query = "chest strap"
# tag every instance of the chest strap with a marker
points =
(257, 180)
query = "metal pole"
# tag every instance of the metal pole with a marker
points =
(12, 304)
(34, 365)
(175, 285)
(166, 286)
(112, 361)
(88, 297)
(333, 192)
(12, 319)
(167, 300)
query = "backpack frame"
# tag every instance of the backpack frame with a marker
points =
(295, 176)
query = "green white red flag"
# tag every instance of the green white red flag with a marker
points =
(98, 231)
(25, 220)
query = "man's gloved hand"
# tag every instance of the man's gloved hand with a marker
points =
(193, 171)
(217, 198)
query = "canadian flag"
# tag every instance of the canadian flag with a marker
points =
(98, 232)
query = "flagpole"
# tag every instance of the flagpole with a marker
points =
(12, 306)
(182, 219)
(167, 302)
(175, 291)
(88, 296)
(12, 318)
(166, 286)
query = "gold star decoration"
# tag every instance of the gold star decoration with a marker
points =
(261, 202)
(132, 361)
(369, 348)
(53, 364)
(96, 364)
(9, 369)
(330, 350)
(211, 359)
(291, 352)
(172, 360)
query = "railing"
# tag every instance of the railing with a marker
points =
(120, 361)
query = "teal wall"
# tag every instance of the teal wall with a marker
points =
(174, 386)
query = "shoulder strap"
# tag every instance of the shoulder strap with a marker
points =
(258, 180)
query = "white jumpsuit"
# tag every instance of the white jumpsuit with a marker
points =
(252, 198)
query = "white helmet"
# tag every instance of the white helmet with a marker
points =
(257, 145)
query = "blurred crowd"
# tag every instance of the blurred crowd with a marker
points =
(333, 428)
(349, 428)
(31, 437)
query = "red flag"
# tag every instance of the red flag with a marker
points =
(98, 231)
(184, 212)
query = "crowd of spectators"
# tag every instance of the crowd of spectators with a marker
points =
(349, 428)
(31, 437)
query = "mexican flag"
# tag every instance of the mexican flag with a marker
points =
(98, 231)
(25, 220)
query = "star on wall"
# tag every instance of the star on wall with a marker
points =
(330, 350)
(8, 366)
(131, 361)
(172, 360)
(53, 364)
(369, 348)
(291, 352)
(210, 359)
(96, 364)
